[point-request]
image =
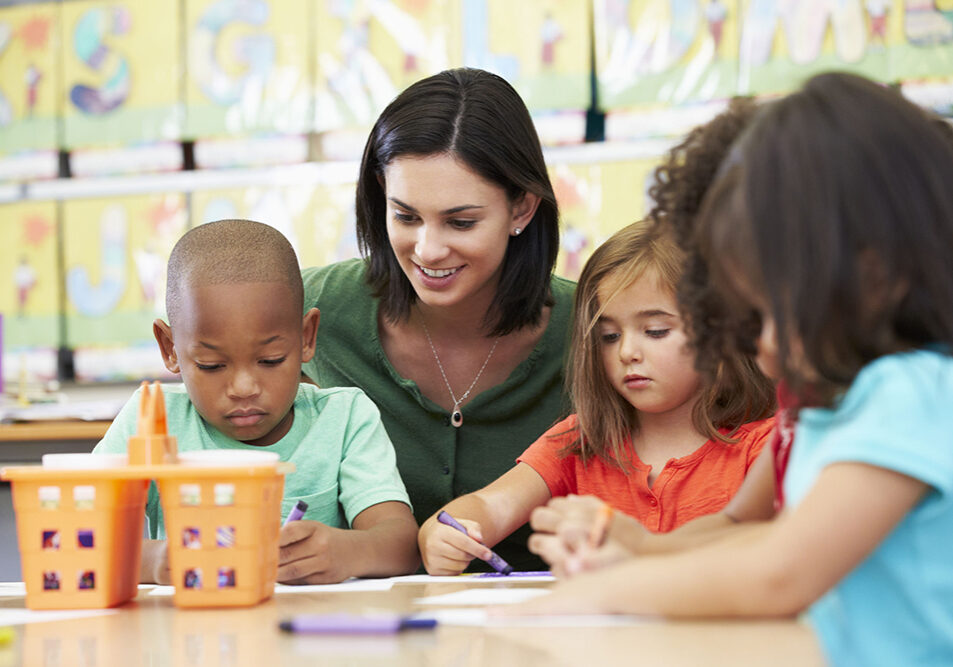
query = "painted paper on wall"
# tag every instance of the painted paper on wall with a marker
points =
(596, 200)
(317, 219)
(783, 43)
(367, 51)
(247, 67)
(115, 254)
(28, 77)
(922, 31)
(30, 298)
(665, 51)
(542, 48)
(121, 72)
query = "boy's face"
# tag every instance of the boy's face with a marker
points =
(239, 348)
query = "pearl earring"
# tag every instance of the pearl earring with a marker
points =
(517, 231)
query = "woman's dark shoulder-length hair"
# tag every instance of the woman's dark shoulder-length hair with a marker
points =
(837, 207)
(479, 119)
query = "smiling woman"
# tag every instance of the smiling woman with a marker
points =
(452, 322)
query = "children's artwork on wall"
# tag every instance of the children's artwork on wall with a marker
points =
(247, 67)
(367, 51)
(370, 50)
(783, 42)
(668, 52)
(121, 72)
(30, 299)
(542, 48)
(330, 235)
(115, 252)
(317, 219)
(596, 200)
(923, 38)
(28, 77)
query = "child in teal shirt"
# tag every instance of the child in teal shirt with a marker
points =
(236, 336)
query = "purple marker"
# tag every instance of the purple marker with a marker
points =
(353, 624)
(495, 561)
(296, 512)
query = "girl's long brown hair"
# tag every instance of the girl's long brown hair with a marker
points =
(736, 393)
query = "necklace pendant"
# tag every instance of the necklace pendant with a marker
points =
(456, 417)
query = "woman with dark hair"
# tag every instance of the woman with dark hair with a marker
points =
(452, 322)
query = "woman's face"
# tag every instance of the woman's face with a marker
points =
(449, 228)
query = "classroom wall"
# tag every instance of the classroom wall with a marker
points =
(124, 123)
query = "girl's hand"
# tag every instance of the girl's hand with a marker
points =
(565, 563)
(311, 552)
(447, 551)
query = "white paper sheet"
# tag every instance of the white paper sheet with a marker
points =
(12, 589)
(348, 586)
(23, 616)
(483, 596)
(479, 617)
(481, 578)
(17, 589)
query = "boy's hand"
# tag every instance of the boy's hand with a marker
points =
(310, 552)
(447, 551)
(154, 567)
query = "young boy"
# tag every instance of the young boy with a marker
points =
(237, 337)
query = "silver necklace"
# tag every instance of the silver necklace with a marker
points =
(456, 416)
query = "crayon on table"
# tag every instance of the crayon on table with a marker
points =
(354, 624)
(296, 512)
(494, 561)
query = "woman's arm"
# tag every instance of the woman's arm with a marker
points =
(774, 569)
(489, 515)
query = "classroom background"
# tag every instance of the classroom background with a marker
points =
(125, 122)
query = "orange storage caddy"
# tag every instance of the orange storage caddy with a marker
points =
(80, 521)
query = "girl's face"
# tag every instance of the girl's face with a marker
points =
(449, 228)
(644, 346)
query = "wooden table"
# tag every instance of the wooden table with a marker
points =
(27, 442)
(151, 631)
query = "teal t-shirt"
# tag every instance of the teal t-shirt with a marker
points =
(437, 461)
(344, 461)
(896, 607)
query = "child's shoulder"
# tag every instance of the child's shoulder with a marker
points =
(755, 433)
(914, 381)
(332, 397)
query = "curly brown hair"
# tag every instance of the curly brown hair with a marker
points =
(681, 182)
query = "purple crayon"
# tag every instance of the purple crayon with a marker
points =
(296, 512)
(495, 561)
(353, 624)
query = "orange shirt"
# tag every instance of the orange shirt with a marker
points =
(695, 485)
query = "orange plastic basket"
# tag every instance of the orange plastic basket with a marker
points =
(222, 524)
(80, 530)
(80, 535)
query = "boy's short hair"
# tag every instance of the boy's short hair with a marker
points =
(231, 251)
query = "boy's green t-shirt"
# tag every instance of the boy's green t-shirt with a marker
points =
(344, 461)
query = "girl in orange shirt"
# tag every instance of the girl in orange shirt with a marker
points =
(651, 435)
